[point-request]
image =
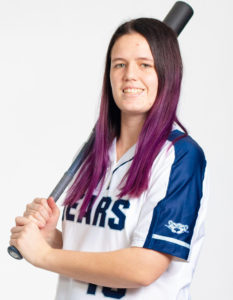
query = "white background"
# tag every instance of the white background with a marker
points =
(51, 65)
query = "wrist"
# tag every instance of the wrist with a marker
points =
(45, 257)
(54, 238)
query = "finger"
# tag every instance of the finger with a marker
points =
(36, 215)
(15, 236)
(21, 221)
(39, 223)
(16, 229)
(44, 212)
(44, 203)
(13, 242)
(41, 205)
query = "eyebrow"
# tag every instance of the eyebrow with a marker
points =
(138, 58)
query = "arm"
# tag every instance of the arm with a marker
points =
(126, 268)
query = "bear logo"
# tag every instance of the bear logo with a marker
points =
(177, 227)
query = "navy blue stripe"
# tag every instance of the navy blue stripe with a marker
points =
(122, 164)
(117, 169)
(169, 248)
(182, 201)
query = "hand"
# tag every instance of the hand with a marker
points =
(27, 238)
(45, 214)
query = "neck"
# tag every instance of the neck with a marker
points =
(131, 127)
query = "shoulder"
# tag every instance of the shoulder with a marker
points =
(186, 150)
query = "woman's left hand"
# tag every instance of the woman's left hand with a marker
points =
(27, 238)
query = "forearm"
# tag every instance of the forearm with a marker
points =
(125, 268)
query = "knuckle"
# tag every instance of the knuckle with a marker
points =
(29, 206)
(26, 214)
(30, 217)
(35, 201)
(39, 200)
(37, 214)
(40, 209)
(43, 201)
(45, 204)
(17, 219)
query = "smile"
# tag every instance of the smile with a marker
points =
(133, 91)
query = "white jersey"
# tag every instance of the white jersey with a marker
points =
(168, 217)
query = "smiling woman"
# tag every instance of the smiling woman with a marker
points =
(133, 219)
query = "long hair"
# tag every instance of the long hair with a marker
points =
(157, 126)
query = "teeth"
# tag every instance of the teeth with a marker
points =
(132, 91)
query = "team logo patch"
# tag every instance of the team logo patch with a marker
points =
(177, 227)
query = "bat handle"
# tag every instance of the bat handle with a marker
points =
(14, 252)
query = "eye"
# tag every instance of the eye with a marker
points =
(146, 66)
(118, 66)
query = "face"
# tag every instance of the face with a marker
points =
(133, 77)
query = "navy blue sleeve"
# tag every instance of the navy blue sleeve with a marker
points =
(175, 216)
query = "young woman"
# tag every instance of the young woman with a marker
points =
(133, 221)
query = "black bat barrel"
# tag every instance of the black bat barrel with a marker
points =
(178, 16)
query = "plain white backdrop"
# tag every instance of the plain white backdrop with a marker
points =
(51, 66)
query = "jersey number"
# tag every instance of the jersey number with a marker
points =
(108, 292)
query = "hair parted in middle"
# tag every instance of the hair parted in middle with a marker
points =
(157, 126)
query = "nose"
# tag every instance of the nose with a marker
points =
(130, 72)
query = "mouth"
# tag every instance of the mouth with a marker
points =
(133, 91)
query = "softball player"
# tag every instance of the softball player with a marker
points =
(133, 219)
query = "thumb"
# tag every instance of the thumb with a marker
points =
(53, 205)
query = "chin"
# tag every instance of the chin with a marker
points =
(134, 112)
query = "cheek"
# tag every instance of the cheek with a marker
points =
(153, 86)
(114, 87)
(113, 83)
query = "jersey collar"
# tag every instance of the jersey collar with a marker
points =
(129, 154)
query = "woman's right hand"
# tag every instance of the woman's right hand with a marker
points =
(45, 214)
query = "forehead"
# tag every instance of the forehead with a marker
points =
(131, 45)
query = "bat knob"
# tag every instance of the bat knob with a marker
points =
(14, 252)
(178, 16)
